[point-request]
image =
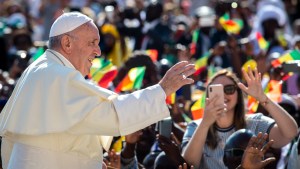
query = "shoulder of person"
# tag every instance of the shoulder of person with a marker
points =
(195, 122)
(253, 116)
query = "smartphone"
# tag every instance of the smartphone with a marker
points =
(216, 89)
(165, 127)
(291, 66)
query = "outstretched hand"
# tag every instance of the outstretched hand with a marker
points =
(253, 157)
(177, 76)
(254, 87)
(171, 147)
(113, 161)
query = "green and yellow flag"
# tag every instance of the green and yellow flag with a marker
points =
(133, 80)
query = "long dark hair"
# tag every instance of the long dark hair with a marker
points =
(239, 121)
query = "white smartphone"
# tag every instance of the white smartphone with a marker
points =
(165, 127)
(216, 89)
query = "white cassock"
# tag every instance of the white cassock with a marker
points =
(57, 119)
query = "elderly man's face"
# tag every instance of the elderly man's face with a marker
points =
(85, 47)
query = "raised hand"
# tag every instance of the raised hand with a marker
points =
(254, 87)
(185, 166)
(171, 147)
(212, 111)
(177, 76)
(253, 157)
(114, 160)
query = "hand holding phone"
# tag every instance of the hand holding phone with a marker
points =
(216, 90)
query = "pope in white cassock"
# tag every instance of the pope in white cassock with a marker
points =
(55, 119)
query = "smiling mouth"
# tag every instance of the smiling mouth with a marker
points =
(91, 59)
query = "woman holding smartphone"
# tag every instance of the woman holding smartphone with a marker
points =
(204, 139)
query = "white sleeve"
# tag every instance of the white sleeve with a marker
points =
(125, 114)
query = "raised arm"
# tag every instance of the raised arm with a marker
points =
(194, 149)
(286, 127)
(177, 76)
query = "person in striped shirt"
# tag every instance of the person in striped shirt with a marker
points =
(204, 139)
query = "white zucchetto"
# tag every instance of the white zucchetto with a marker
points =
(68, 22)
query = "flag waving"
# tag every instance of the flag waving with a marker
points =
(233, 26)
(201, 63)
(133, 80)
(293, 55)
(262, 43)
(102, 72)
(197, 108)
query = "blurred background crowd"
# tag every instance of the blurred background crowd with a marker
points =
(213, 34)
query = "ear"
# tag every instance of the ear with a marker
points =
(66, 44)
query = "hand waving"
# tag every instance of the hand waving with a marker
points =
(255, 151)
(177, 76)
(254, 88)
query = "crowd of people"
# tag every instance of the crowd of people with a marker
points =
(52, 108)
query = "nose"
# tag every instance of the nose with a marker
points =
(97, 51)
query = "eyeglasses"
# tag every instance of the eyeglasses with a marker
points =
(234, 152)
(230, 89)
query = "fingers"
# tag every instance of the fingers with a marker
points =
(213, 100)
(251, 142)
(267, 161)
(267, 146)
(245, 74)
(177, 76)
(256, 141)
(261, 139)
(178, 66)
(184, 166)
(188, 69)
(242, 86)
(257, 75)
(250, 73)
(174, 138)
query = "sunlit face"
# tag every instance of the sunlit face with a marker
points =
(230, 99)
(84, 47)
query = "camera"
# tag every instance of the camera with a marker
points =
(291, 66)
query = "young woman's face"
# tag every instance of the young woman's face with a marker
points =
(230, 91)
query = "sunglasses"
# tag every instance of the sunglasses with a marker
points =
(230, 89)
(234, 152)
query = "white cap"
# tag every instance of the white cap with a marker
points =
(68, 22)
(272, 12)
(208, 21)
